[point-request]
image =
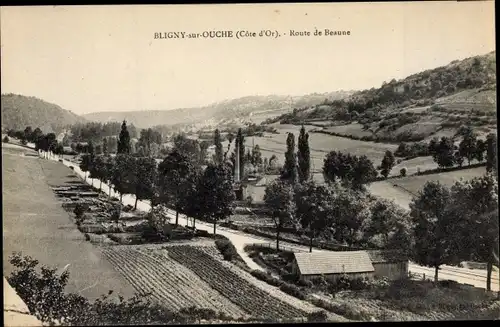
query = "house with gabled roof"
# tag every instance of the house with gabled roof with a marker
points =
(332, 265)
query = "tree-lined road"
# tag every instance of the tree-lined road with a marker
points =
(240, 239)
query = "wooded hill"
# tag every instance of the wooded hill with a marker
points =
(19, 111)
(234, 111)
(413, 108)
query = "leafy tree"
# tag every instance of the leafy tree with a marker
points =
(457, 157)
(216, 195)
(444, 155)
(59, 149)
(257, 157)
(147, 138)
(480, 149)
(279, 198)
(37, 133)
(97, 169)
(304, 155)
(90, 148)
(314, 208)
(107, 174)
(289, 172)
(28, 134)
(143, 178)
(175, 178)
(188, 148)
(104, 146)
(491, 152)
(351, 211)
(219, 156)
(467, 147)
(122, 174)
(402, 172)
(86, 164)
(5, 139)
(353, 171)
(434, 147)
(476, 238)
(389, 226)
(124, 140)
(428, 211)
(388, 163)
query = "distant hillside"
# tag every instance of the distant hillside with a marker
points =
(435, 102)
(19, 111)
(245, 109)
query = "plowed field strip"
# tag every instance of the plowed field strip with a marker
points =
(168, 282)
(140, 276)
(188, 281)
(236, 289)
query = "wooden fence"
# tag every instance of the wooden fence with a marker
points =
(273, 246)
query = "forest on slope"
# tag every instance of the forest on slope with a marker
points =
(19, 111)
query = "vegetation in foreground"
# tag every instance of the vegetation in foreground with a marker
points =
(42, 289)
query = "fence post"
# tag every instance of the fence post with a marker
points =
(423, 277)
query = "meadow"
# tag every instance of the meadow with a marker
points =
(402, 190)
(320, 145)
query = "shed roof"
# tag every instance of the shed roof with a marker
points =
(386, 256)
(333, 262)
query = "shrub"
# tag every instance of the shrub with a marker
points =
(80, 209)
(305, 283)
(293, 290)
(319, 281)
(227, 249)
(6, 139)
(266, 277)
(115, 213)
(317, 316)
(87, 237)
(343, 283)
(403, 172)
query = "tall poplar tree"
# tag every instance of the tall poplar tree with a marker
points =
(219, 155)
(124, 140)
(289, 172)
(304, 155)
(240, 141)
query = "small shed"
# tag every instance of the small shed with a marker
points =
(392, 264)
(332, 265)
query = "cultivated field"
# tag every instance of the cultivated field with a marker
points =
(168, 282)
(238, 290)
(35, 224)
(402, 190)
(320, 145)
(355, 130)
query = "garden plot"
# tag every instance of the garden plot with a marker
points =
(418, 300)
(168, 282)
(271, 290)
(238, 290)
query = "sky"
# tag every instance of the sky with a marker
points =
(105, 58)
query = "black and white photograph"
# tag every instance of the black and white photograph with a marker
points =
(249, 163)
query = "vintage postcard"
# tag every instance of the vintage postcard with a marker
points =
(249, 163)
